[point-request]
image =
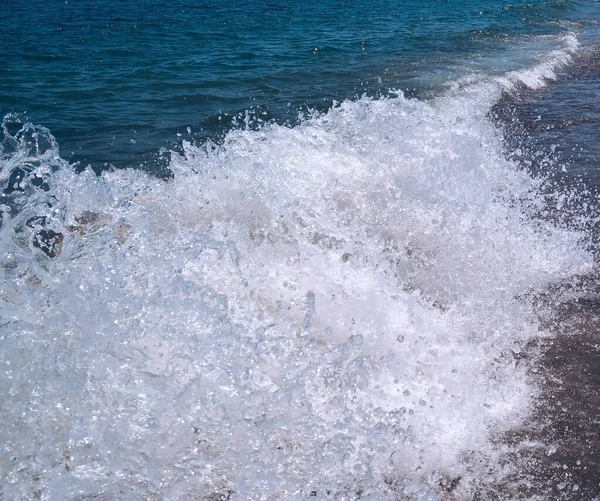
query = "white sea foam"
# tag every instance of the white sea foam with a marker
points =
(330, 309)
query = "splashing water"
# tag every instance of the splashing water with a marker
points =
(329, 310)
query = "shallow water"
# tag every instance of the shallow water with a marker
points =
(359, 302)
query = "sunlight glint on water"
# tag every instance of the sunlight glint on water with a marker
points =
(332, 308)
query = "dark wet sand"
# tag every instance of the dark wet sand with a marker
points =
(555, 132)
(559, 450)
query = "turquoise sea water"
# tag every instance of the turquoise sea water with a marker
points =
(294, 250)
(115, 81)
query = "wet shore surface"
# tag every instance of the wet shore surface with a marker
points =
(559, 450)
(555, 133)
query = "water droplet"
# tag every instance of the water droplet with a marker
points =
(355, 340)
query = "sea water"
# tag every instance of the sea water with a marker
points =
(284, 250)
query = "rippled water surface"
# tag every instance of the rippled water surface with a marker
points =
(115, 81)
(283, 250)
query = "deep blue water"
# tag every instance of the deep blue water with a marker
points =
(116, 81)
(299, 250)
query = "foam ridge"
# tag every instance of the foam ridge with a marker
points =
(333, 308)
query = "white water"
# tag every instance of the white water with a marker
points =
(330, 308)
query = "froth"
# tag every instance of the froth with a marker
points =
(329, 309)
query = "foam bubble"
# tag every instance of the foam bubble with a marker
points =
(234, 333)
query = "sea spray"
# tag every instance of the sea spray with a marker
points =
(330, 310)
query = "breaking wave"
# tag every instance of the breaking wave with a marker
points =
(333, 309)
